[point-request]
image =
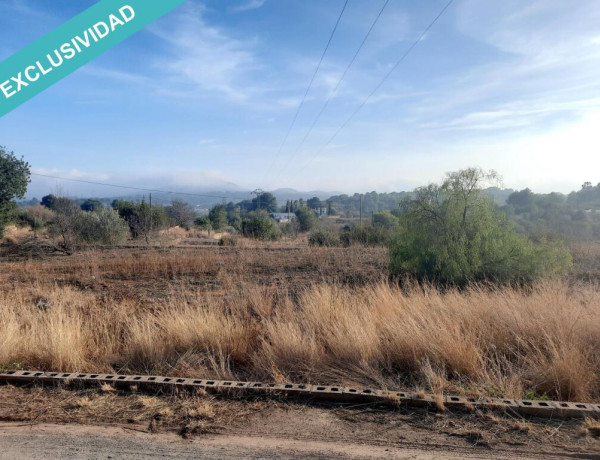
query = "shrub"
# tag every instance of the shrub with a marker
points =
(261, 227)
(142, 218)
(103, 226)
(454, 234)
(365, 235)
(72, 225)
(385, 219)
(228, 240)
(203, 223)
(290, 229)
(36, 217)
(64, 225)
(324, 237)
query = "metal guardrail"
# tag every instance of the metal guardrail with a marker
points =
(537, 408)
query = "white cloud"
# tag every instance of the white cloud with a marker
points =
(205, 58)
(248, 5)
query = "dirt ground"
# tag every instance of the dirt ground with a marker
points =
(96, 423)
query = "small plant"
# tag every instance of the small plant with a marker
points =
(15, 366)
(533, 395)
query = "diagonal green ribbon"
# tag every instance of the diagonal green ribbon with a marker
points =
(74, 44)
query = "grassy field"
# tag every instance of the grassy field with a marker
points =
(287, 312)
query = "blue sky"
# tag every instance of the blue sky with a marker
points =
(204, 96)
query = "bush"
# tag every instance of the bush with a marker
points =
(261, 227)
(74, 226)
(204, 223)
(385, 219)
(454, 234)
(324, 237)
(365, 235)
(290, 229)
(91, 205)
(306, 219)
(228, 240)
(36, 217)
(103, 226)
(142, 218)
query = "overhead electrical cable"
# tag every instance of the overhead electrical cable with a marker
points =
(129, 187)
(337, 86)
(380, 84)
(307, 90)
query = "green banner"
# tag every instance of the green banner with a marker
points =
(72, 45)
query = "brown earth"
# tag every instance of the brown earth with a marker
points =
(40, 423)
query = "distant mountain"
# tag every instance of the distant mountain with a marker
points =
(212, 192)
(284, 194)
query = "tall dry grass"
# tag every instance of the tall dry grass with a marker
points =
(509, 342)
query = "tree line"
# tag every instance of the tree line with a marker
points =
(450, 233)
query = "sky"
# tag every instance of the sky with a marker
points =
(203, 98)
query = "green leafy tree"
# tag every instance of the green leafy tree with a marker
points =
(48, 201)
(204, 223)
(91, 205)
(140, 218)
(306, 218)
(453, 233)
(218, 217)
(14, 177)
(314, 203)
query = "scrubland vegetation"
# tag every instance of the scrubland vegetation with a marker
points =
(443, 293)
(542, 340)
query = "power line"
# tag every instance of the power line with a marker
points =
(128, 187)
(380, 84)
(335, 90)
(307, 90)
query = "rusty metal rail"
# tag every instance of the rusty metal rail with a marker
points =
(546, 409)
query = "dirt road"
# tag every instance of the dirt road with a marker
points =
(18, 441)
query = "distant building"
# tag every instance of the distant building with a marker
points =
(282, 216)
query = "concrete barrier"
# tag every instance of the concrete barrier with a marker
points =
(537, 408)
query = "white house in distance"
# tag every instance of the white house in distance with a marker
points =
(283, 216)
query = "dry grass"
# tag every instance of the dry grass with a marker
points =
(591, 427)
(16, 235)
(503, 342)
(189, 413)
(270, 264)
(586, 258)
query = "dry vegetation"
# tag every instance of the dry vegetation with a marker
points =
(284, 313)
